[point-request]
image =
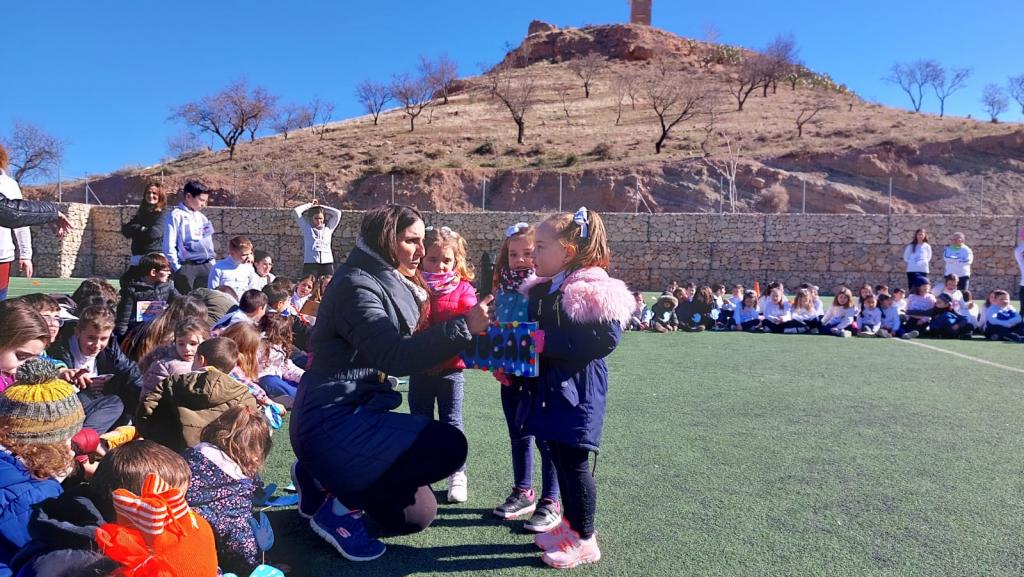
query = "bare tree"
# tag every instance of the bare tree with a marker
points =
(441, 73)
(797, 72)
(373, 96)
(624, 85)
(183, 143)
(779, 57)
(810, 109)
(1017, 90)
(32, 152)
(226, 113)
(264, 106)
(414, 94)
(516, 90)
(673, 99)
(586, 68)
(749, 77)
(565, 98)
(945, 85)
(291, 117)
(321, 112)
(994, 99)
(913, 78)
(728, 166)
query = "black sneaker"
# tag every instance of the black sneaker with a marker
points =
(520, 502)
(547, 516)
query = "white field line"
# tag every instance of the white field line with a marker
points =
(963, 356)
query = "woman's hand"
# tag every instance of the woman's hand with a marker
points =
(478, 317)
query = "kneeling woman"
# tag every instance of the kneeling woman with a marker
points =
(349, 440)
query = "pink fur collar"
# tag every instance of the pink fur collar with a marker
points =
(589, 295)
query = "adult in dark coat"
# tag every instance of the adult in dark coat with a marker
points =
(145, 230)
(344, 427)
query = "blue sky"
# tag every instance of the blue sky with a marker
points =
(104, 75)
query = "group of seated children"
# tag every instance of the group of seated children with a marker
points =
(944, 312)
(65, 378)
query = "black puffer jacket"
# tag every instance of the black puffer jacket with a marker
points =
(146, 232)
(344, 417)
(137, 290)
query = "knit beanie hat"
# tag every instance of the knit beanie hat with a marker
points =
(157, 534)
(40, 408)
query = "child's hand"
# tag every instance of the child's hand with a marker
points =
(97, 383)
(502, 378)
(478, 317)
(538, 341)
(280, 409)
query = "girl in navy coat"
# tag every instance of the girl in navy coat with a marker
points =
(581, 312)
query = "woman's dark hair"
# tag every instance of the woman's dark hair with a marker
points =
(914, 242)
(381, 226)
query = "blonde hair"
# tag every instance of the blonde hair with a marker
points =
(503, 262)
(802, 300)
(590, 250)
(243, 434)
(248, 340)
(445, 237)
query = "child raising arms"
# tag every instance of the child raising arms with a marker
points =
(449, 278)
(581, 311)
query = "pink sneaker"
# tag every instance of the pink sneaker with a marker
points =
(572, 552)
(553, 537)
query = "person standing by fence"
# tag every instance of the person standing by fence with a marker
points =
(146, 229)
(317, 224)
(9, 189)
(917, 255)
(188, 239)
(959, 257)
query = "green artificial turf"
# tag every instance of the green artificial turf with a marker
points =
(734, 455)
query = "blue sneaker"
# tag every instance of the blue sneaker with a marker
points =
(346, 533)
(311, 493)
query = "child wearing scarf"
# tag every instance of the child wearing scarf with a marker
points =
(449, 278)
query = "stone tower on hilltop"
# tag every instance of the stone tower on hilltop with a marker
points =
(640, 11)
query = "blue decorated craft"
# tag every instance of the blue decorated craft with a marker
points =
(506, 348)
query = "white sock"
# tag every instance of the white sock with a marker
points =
(338, 509)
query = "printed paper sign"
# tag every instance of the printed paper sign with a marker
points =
(146, 311)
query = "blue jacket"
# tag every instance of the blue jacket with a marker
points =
(343, 426)
(20, 492)
(582, 323)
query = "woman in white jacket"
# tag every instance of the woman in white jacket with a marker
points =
(917, 255)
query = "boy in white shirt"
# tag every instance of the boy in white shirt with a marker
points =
(236, 270)
(1002, 321)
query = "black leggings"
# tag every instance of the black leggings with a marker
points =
(579, 492)
(401, 501)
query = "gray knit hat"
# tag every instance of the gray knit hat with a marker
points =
(40, 408)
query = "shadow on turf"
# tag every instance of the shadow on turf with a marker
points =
(308, 555)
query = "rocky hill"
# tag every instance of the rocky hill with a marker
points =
(844, 159)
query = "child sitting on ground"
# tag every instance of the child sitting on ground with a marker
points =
(899, 300)
(109, 382)
(838, 320)
(175, 412)
(247, 371)
(949, 287)
(252, 307)
(641, 318)
(891, 318)
(747, 317)
(1002, 321)
(920, 305)
(970, 311)
(151, 283)
(945, 323)
(225, 469)
(176, 358)
(869, 319)
(803, 311)
(39, 414)
(278, 375)
(663, 314)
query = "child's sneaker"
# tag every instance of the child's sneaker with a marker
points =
(346, 533)
(884, 334)
(845, 334)
(909, 335)
(311, 494)
(573, 552)
(865, 334)
(520, 502)
(458, 490)
(546, 517)
(554, 536)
